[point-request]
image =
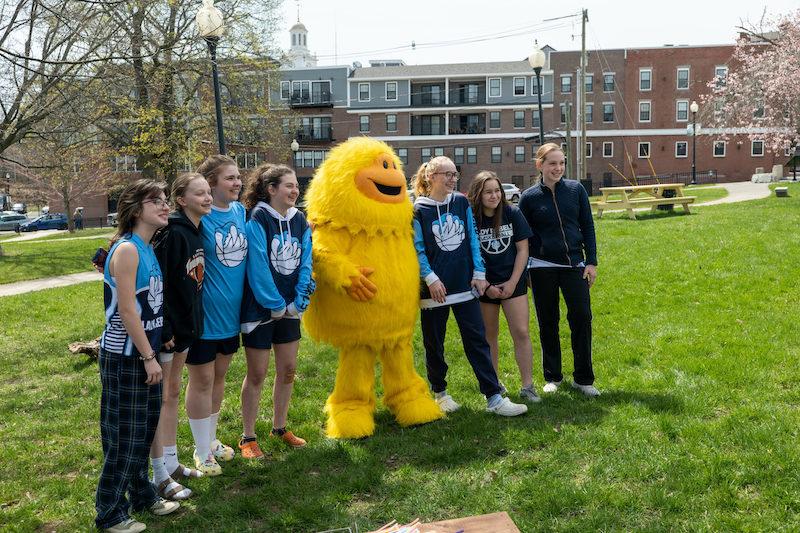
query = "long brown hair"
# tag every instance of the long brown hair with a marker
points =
(211, 165)
(129, 204)
(179, 187)
(257, 188)
(421, 182)
(474, 196)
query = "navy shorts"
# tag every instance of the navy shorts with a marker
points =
(522, 288)
(204, 351)
(280, 331)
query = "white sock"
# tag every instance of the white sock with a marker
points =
(200, 432)
(171, 458)
(159, 470)
(212, 430)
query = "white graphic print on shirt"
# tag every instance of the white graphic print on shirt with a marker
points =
(231, 248)
(492, 245)
(285, 253)
(448, 232)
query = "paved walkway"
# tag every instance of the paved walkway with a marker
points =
(41, 236)
(20, 287)
(740, 192)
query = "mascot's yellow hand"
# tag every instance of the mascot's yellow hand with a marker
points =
(362, 289)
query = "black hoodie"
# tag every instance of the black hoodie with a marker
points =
(179, 249)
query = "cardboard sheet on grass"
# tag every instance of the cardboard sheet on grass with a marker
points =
(487, 523)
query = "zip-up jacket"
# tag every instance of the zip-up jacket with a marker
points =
(179, 249)
(278, 282)
(447, 248)
(562, 225)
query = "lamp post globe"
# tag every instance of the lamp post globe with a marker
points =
(295, 146)
(537, 60)
(211, 26)
(694, 108)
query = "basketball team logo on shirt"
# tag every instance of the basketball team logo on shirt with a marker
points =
(155, 293)
(285, 253)
(496, 245)
(231, 246)
(448, 232)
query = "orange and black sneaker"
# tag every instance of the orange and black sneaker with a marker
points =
(250, 449)
(289, 438)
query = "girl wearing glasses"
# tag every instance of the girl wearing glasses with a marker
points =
(563, 257)
(225, 250)
(179, 248)
(454, 275)
(503, 235)
(129, 371)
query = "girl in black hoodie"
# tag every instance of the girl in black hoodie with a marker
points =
(179, 249)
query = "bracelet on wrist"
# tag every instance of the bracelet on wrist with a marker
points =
(148, 357)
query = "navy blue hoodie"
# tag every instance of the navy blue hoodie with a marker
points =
(447, 248)
(561, 222)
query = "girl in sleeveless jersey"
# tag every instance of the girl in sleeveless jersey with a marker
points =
(179, 249)
(225, 249)
(453, 274)
(276, 293)
(503, 234)
(129, 371)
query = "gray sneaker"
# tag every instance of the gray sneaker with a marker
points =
(164, 507)
(529, 395)
(507, 408)
(588, 390)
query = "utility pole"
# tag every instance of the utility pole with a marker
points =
(568, 155)
(582, 97)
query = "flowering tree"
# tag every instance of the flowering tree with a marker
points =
(761, 94)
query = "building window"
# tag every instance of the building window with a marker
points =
(284, 90)
(644, 150)
(494, 119)
(287, 125)
(683, 78)
(564, 148)
(426, 155)
(472, 155)
(126, 163)
(309, 158)
(535, 89)
(497, 154)
(682, 110)
(608, 149)
(589, 112)
(363, 92)
(644, 111)
(721, 75)
(391, 122)
(719, 148)
(494, 88)
(363, 123)
(535, 122)
(563, 112)
(758, 112)
(645, 79)
(608, 112)
(519, 86)
(402, 153)
(519, 119)
(566, 84)
(458, 155)
(588, 150)
(589, 83)
(681, 149)
(756, 148)
(391, 91)
(519, 154)
(438, 152)
(608, 82)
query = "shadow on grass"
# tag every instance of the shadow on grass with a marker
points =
(645, 215)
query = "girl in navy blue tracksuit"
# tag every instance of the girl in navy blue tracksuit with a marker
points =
(277, 291)
(563, 257)
(453, 276)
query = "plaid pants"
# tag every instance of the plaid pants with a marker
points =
(129, 411)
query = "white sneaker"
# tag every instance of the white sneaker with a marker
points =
(551, 386)
(127, 526)
(164, 507)
(508, 408)
(447, 403)
(529, 395)
(588, 390)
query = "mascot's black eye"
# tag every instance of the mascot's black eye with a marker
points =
(385, 164)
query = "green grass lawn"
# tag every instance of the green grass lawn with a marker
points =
(696, 349)
(91, 232)
(31, 260)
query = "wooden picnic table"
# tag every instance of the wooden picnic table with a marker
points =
(633, 196)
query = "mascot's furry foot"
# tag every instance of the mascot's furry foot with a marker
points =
(349, 420)
(418, 411)
(404, 392)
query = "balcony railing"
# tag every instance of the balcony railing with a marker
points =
(313, 99)
(311, 134)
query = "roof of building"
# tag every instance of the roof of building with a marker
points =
(446, 69)
(299, 26)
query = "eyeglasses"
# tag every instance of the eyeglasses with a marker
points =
(449, 175)
(158, 202)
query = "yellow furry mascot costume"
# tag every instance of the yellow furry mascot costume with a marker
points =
(367, 296)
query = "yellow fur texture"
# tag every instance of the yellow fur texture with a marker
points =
(351, 233)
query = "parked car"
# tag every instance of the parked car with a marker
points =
(10, 221)
(512, 192)
(112, 219)
(20, 208)
(48, 221)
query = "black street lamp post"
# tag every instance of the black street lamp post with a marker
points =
(211, 27)
(536, 61)
(693, 108)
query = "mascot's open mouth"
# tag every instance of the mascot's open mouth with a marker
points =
(387, 189)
